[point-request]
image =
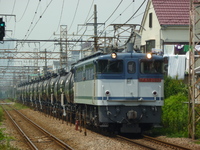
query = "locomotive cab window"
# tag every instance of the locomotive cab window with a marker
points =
(107, 66)
(131, 67)
(151, 67)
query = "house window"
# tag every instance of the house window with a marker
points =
(150, 20)
(149, 45)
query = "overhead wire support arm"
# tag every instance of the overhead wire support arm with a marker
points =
(20, 40)
(121, 29)
(9, 15)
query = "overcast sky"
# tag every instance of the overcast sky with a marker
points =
(39, 19)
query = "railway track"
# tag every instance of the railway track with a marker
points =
(135, 143)
(151, 143)
(36, 137)
(163, 143)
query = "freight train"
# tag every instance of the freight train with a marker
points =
(118, 91)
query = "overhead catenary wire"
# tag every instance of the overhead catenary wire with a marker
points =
(114, 11)
(86, 21)
(24, 11)
(61, 13)
(32, 19)
(39, 19)
(116, 18)
(12, 9)
(74, 15)
(135, 12)
(122, 12)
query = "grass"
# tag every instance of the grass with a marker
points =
(168, 132)
(4, 138)
(197, 142)
(19, 106)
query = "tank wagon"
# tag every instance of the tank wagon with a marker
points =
(118, 91)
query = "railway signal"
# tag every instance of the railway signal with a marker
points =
(2, 29)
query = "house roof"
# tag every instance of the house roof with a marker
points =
(172, 12)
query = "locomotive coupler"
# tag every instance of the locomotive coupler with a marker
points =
(131, 114)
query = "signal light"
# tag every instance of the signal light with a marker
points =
(2, 24)
(2, 29)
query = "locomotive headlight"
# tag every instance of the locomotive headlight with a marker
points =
(154, 93)
(114, 55)
(149, 55)
(107, 93)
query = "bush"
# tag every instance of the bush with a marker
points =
(175, 110)
(173, 87)
(175, 113)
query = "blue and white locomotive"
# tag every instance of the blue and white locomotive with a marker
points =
(122, 91)
(119, 91)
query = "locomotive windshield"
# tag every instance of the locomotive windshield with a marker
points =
(107, 66)
(151, 67)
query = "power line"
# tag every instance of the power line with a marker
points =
(122, 12)
(39, 19)
(87, 19)
(62, 6)
(13, 9)
(32, 19)
(116, 18)
(135, 12)
(74, 14)
(24, 11)
(114, 11)
(63, 3)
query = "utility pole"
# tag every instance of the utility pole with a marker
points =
(63, 46)
(95, 24)
(95, 29)
(45, 66)
(193, 77)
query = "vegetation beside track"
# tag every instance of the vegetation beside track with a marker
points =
(4, 138)
(175, 110)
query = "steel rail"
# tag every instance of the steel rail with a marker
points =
(136, 143)
(30, 143)
(155, 140)
(61, 143)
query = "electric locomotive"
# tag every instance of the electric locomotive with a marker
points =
(121, 91)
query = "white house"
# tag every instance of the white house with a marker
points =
(166, 29)
(166, 24)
